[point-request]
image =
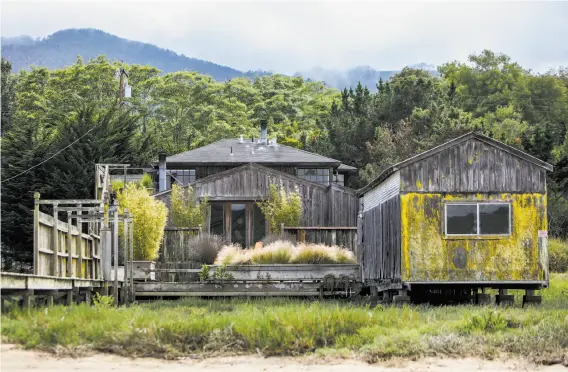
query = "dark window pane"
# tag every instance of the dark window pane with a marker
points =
(217, 219)
(494, 219)
(461, 219)
(238, 224)
(259, 225)
(311, 172)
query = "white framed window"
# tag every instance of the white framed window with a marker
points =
(473, 219)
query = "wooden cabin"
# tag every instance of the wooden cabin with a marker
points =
(234, 174)
(471, 212)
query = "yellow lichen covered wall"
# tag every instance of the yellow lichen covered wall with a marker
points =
(428, 255)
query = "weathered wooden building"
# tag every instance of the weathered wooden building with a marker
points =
(234, 174)
(471, 212)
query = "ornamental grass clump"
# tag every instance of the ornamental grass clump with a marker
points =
(278, 252)
(285, 252)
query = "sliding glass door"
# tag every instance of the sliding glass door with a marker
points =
(240, 223)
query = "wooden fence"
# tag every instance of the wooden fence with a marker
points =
(63, 251)
(175, 247)
(342, 236)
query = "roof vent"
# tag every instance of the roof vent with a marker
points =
(263, 131)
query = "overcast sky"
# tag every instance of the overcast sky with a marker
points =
(292, 36)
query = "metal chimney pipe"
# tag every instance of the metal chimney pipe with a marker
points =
(162, 172)
(263, 131)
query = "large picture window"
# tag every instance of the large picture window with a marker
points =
(319, 175)
(478, 219)
(182, 176)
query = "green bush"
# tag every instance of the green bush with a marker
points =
(149, 219)
(146, 181)
(280, 208)
(185, 212)
(558, 255)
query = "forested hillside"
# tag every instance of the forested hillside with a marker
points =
(45, 111)
(60, 50)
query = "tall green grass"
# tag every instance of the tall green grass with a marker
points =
(294, 327)
(558, 255)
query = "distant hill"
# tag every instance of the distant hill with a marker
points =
(62, 48)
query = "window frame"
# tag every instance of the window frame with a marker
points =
(317, 173)
(478, 220)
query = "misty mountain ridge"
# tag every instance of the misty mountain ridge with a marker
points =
(62, 48)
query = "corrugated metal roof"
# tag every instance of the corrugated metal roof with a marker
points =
(249, 152)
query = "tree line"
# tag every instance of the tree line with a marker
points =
(78, 109)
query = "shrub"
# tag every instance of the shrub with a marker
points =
(231, 254)
(279, 252)
(284, 252)
(280, 208)
(146, 181)
(149, 219)
(558, 255)
(205, 247)
(185, 212)
(313, 254)
(116, 185)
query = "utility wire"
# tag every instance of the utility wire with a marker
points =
(51, 157)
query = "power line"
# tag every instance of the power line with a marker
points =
(51, 157)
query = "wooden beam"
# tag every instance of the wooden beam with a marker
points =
(69, 243)
(70, 201)
(36, 232)
(55, 243)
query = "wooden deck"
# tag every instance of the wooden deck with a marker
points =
(29, 289)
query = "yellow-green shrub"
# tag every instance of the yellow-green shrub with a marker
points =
(281, 208)
(184, 211)
(149, 219)
(558, 255)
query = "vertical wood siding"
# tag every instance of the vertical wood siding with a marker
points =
(381, 241)
(322, 205)
(473, 166)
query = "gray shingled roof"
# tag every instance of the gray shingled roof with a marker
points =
(249, 152)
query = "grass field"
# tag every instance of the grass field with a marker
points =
(293, 327)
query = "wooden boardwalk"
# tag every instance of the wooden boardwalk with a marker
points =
(28, 289)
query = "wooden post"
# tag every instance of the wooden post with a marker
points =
(125, 250)
(80, 244)
(282, 229)
(36, 233)
(55, 242)
(333, 237)
(302, 236)
(115, 250)
(28, 298)
(106, 245)
(69, 297)
(131, 244)
(49, 299)
(69, 242)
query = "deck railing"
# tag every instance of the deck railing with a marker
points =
(174, 247)
(328, 235)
